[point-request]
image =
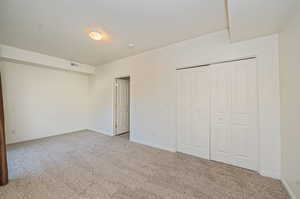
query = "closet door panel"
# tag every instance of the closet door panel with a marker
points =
(244, 115)
(194, 111)
(220, 129)
(235, 114)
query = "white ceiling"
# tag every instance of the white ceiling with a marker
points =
(253, 18)
(60, 27)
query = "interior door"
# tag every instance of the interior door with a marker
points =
(194, 111)
(122, 106)
(234, 132)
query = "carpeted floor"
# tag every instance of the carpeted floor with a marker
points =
(88, 165)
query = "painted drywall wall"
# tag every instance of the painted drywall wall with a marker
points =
(16, 54)
(153, 91)
(289, 46)
(41, 101)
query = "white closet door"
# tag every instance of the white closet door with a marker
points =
(122, 106)
(234, 132)
(194, 111)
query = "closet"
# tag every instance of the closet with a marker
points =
(218, 112)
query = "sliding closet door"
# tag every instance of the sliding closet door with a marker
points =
(234, 132)
(194, 111)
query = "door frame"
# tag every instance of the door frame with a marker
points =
(3, 153)
(115, 103)
(256, 57)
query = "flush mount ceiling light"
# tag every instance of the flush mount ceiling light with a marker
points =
(95, 35)
(131, 45)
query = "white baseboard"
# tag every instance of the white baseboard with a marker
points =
(151, 145)
(102, 132)
(271, 174)
(28, 139)
(288, 189)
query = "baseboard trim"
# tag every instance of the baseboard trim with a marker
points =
(43, 137)
(102, 132)
(288, 189)
(271, 174)
(151, 145)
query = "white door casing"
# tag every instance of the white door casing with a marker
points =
(122, 106)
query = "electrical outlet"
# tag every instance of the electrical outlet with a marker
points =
(13, 132)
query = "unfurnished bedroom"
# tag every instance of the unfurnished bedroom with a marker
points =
(111, 99)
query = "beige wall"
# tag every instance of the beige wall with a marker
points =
(41, 102)
(290, 103)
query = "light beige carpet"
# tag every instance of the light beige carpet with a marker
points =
(89, 165)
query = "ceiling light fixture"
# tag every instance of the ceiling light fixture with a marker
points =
(131, 45)
(95, 35)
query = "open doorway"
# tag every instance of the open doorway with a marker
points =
(122, 107)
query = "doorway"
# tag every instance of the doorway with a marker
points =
(122, 107)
